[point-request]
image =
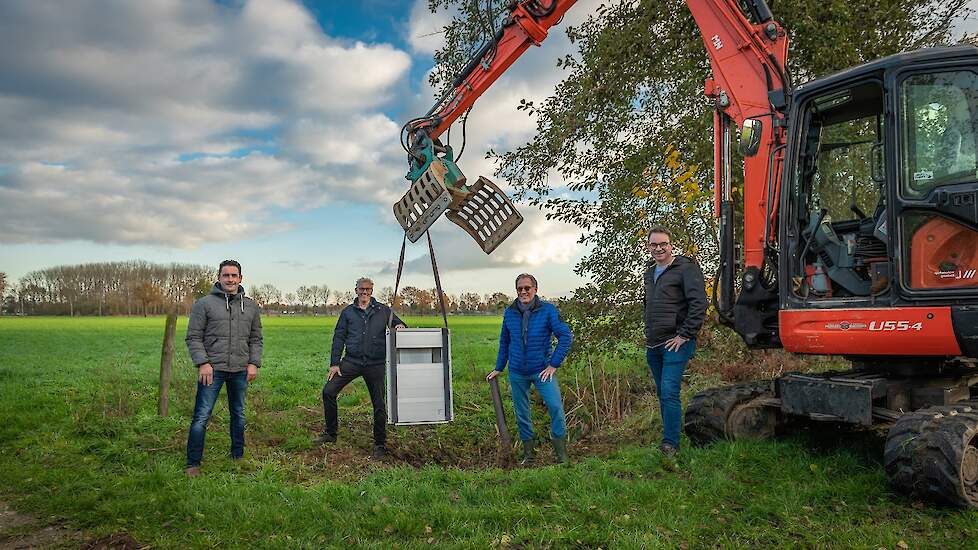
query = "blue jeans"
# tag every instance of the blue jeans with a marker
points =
(549, 391)
(667, 371)
(237, 383)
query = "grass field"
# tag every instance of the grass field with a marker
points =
(81, 444)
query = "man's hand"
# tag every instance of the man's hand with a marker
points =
(252, 372)
(333, 371)
(205, 374)
(492, 375)
(547, 373)
(674, 343)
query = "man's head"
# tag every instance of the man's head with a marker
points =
(660, 245)
(526, 287)
(364, 290)
(229, 276)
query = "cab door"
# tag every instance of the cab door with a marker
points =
(936, 197)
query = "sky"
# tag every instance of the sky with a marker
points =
(261, 130)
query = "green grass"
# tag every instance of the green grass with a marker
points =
(80, 442)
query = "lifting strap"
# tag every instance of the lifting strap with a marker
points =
(434, 269)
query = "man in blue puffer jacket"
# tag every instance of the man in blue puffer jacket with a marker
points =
(525, 342)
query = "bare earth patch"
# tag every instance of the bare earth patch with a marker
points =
(20, 532)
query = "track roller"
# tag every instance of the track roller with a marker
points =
(932, 454)
(741, 411)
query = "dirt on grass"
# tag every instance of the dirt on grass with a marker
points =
(21, 531)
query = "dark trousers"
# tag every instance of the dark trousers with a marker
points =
(373, 375)
(237, 384)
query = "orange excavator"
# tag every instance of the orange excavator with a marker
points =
(860, 233)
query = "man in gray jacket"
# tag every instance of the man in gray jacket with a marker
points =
(225, 343)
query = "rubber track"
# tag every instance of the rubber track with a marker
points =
(708, 410)
(923, 453)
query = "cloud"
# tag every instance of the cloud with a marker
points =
(536, 242)
(967, 25)
(182, 123)
(168, 123)
(425, 29)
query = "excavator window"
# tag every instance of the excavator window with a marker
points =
(939, 119)
(840, 199)
(939, 116)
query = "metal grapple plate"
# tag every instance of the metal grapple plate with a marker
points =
(485, 213)
(424, 201)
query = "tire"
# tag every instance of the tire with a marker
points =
(932, 454)
(708, 410)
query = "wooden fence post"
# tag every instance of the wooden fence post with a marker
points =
(166, 361)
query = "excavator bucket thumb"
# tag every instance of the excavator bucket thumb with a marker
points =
(482, 210)
(485, 213)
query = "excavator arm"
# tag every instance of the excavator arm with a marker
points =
(751, 88)
(747, 51)
(482, 210)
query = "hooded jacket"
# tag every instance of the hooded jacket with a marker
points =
(675, 304)
(539, 352)
(362, 334)
(225, 331)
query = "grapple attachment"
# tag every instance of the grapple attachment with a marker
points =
(482, 210)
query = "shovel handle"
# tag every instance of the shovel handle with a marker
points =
(497, 405)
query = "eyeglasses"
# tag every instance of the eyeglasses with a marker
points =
(660, 245)
(362, 289)
(524, 288)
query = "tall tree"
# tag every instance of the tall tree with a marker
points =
(148, 295)
(304, 295)
(470, 301)
(628, 130)
(322, 294)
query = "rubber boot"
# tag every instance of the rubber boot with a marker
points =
(528, 454)
(560, 449)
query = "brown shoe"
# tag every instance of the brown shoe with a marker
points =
(193, 471)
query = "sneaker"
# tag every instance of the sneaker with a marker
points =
(192, 471)
(379, 452)
(668, 450)
(324, 439)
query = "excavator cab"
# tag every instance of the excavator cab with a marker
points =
(883, 210)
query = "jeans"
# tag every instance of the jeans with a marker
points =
(373, 375)
(667, 371)
(237, 383)
(549, 391)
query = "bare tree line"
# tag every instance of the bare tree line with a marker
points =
(320, 299)
(142, 288)
(133, 287)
